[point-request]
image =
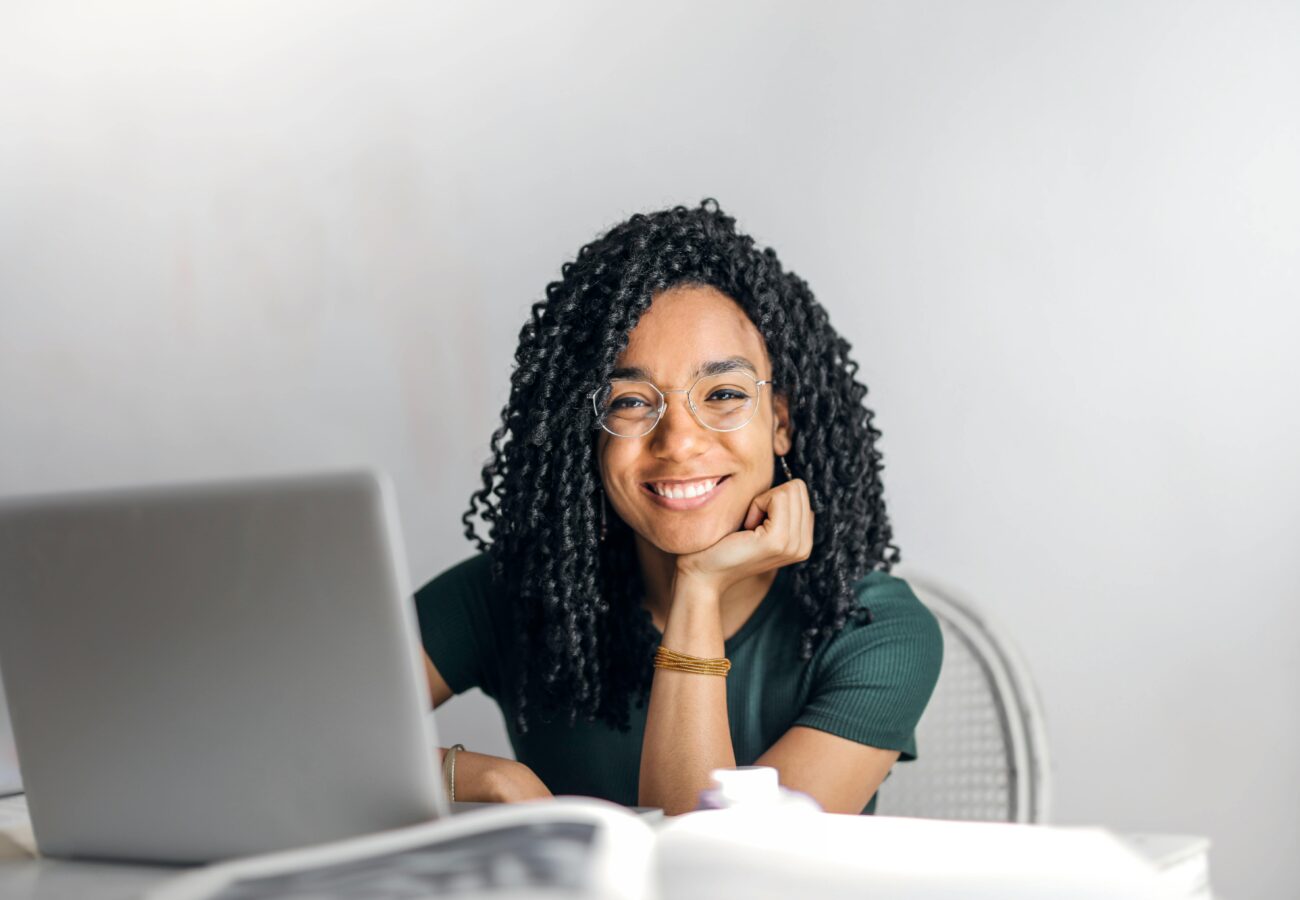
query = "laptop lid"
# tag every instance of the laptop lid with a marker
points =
(197, 672)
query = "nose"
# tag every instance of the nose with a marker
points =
(677, 435)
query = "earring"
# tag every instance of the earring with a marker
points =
(786, 466)
(602, 517)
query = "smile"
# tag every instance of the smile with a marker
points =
(684, 494)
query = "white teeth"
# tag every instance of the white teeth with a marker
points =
(681, 492)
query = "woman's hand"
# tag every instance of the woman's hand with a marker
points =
(482, 778)
(777, 531)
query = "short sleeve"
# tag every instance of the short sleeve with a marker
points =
(457, 625)
(872, 681)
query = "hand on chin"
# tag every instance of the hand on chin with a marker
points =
(777, 531)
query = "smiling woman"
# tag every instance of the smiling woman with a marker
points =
(691, 570)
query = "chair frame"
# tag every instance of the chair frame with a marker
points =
(1019, 710)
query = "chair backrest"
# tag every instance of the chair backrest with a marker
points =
(981, 745)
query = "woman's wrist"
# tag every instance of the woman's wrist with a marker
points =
(482, 778)
(514, 783)
(449, 769)
(696, 588)
(694, 623)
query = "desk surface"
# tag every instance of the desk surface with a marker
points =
(23, 876)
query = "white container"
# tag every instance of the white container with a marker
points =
(753, 787)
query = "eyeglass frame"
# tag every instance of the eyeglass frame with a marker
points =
(690, 404)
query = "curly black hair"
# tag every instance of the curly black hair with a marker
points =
(585, 642)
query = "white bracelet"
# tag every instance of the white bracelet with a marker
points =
(449, 770)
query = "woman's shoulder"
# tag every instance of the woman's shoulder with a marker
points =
(468, 588)
(872, 680)
(896, 622)
(888, 597)
(463, 624)
(473, 573)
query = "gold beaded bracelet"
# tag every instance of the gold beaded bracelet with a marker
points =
(671, 659)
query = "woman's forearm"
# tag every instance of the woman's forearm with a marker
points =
(687, 731)
(483, 778)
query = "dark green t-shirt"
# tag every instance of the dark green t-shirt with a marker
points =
(870, 683)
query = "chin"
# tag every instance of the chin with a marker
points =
(694, 540)
(681, 548)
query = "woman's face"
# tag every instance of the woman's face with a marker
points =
(685, 328)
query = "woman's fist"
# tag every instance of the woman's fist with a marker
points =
(777, 531)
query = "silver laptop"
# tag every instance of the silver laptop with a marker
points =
(200, 672)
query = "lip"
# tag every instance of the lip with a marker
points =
(683, 503)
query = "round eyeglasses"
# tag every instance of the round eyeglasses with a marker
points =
(724, 401)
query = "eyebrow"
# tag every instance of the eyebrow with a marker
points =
(713, 367)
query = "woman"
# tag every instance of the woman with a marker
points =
(685, 463)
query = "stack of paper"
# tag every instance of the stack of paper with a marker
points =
(735, 853)
(10, 783)
(1183, 862)
(16, 840)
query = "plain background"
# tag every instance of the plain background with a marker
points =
(1062, 238)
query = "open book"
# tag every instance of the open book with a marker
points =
(574, 847)
(570, 847)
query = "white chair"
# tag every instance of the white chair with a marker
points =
(981, 745)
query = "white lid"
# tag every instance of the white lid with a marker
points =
(747, 784)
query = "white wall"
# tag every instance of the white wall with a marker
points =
(1062, 238)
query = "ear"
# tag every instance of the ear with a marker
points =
(781, 430)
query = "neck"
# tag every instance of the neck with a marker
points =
(659, 572)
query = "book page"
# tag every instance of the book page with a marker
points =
(567, 846)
